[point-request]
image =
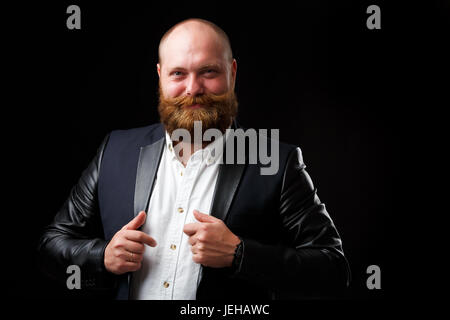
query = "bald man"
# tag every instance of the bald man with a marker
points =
(154, 217)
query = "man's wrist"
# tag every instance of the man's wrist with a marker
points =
(238, 256)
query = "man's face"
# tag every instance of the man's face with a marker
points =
(196, 79)
(194, 61)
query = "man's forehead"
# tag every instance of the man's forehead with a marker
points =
(193, 54)
(193, 40)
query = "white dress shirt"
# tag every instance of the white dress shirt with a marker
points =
(168, 271)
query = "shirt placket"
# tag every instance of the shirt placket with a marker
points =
(180, 212)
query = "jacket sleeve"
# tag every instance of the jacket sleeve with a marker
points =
(75, 237)
(310, 261)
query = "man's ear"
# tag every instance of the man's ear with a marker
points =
(158, 68)
(234, 71)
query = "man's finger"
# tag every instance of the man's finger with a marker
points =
(137, 222)
(140, 236)
(192, 240)
(134, 246)
(131, 266)
(130, 256)
(202, 217)
(191, 228)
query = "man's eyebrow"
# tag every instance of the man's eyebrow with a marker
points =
(203, 67)
(211, 66)
(177, 69)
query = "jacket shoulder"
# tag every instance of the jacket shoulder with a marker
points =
(137, 136)
(286, 148)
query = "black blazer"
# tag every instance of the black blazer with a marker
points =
(291, 246)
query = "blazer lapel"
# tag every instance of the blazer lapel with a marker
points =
(227, 183)
(149, 158)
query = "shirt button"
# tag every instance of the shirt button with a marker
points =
(181, 173)
(173, 247)
(170, 147)
(180, 210)
(166, 284)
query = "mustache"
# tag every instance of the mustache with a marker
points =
(204, 99)
(216, 112)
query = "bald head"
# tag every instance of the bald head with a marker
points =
(195, 32)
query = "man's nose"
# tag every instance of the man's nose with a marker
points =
(194, 86)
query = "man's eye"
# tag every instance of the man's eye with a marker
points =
(177, 73)
(210, 72)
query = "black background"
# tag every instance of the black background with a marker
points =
(311, 69)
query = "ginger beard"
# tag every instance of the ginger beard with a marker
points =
(216, 111)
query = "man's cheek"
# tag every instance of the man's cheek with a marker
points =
(217, 85)
(172, 90)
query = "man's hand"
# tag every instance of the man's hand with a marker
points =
(124, 253)
(213, 244)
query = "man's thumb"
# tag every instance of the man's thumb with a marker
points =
(137, 222)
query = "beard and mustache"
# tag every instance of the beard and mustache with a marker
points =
(216, 111)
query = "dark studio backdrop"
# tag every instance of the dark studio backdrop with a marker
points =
(311, 69)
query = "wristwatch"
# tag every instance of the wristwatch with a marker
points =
(238, 255)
